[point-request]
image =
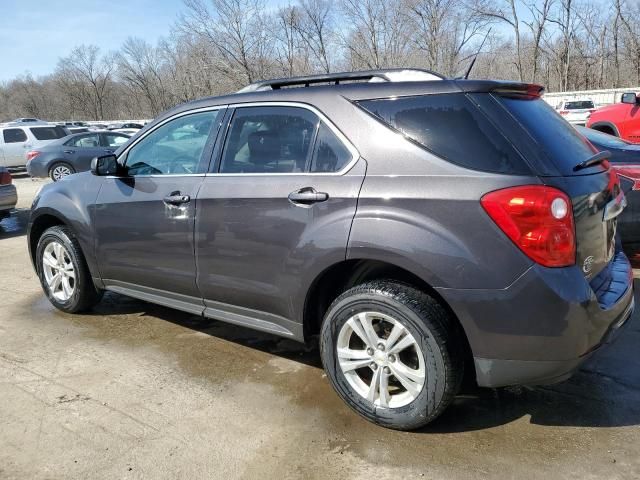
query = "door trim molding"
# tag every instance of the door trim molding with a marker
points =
(233, 314)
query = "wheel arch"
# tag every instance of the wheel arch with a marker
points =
(606, 127)
(38, 226)
(341, 276)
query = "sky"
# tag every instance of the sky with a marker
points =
(35, 33)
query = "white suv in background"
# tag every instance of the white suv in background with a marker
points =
(17, 139)
(576, 111)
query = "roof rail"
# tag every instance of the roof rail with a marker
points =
(382, 75)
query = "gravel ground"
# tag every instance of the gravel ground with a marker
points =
(134, 390)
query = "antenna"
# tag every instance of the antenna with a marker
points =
(473, 62)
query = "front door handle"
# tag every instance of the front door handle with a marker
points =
(176, 198)
(307, 196)
(69, 151)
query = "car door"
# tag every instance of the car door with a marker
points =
(274, 214)
(144, 219)
(15, 146)
(81, 149)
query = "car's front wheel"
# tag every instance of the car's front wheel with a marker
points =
(63, 271)
(60, 170)
(391, 352)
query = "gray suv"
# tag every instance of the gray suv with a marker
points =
(421, 227)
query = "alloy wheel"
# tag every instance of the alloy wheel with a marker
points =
(59, 272)
(60, 172)
(380, 359)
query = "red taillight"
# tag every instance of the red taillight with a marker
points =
(538, 219)
(563, 112)
(31, 154)
(5, 178)
(631, 172)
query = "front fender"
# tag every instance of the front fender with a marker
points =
(70, 202)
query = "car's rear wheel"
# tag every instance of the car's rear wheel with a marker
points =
(60, 170)
(391, 352)
(63, 271)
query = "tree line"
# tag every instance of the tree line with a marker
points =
(218, 46)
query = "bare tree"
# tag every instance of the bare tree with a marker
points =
(540, 11)
(505, 11)
(235, 29)
(87, 77)
(379, 36)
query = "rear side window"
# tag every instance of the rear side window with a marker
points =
(269, 140)
(48, 133)
(115, 140)
(561, 143)
(84, 141)
(330, 154)
(14, 135)
(453, 128)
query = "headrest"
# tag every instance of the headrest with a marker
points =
(264, 146)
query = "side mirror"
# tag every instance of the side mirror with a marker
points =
(629, 97)
(105, 165)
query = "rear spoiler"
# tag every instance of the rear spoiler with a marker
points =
(501, 87)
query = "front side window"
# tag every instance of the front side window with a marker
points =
(269, 140)
(175, 148)
(115, 140)
(14, 135)
(84, 141)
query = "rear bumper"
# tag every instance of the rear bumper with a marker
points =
(544, 325)
(37, 169)
(8, 198)
(499, 373)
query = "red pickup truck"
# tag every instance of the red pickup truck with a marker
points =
(621, 119)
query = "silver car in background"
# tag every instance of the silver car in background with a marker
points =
(16, 139)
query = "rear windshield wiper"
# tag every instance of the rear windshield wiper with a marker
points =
(596, 159)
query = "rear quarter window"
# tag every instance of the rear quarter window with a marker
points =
(48, 133)
(451, 127)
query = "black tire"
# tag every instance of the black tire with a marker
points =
(431, 327)
(53, 167)
(85, 294)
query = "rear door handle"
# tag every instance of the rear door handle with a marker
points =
(307, 196)
(69, 151)
(176, 198)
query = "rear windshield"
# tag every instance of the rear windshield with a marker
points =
(48, 133)
(453, 128)
(561, 143)
(578, 105)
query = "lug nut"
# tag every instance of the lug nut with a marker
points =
(381, 347)
(374, 366)
(369, 351)
(386, 370)
(392, 358)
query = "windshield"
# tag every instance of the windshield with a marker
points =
(578, 105)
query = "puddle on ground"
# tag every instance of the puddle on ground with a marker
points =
(14, 225)
(542, 419)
